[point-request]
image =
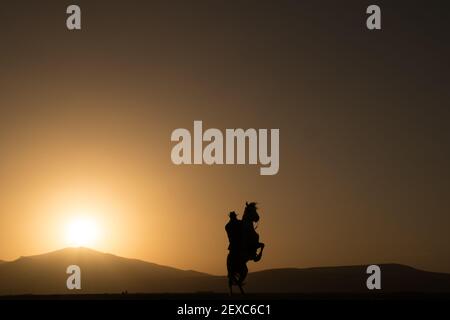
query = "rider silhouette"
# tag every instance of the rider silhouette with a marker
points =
(234, 232)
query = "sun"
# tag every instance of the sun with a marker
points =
(82, 232)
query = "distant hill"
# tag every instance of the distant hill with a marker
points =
(395, 278)
(100, 272)
(107, 273)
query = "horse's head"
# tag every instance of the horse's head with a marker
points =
(250, 212)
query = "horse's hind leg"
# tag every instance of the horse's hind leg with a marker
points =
(242, 277)
(241, 288)
(230, 274)
(243, 274)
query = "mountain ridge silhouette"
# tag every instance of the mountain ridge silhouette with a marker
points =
(103, 273)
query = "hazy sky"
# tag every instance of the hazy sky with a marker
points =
(86, 119)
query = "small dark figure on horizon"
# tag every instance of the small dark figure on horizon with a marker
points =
(244, 245)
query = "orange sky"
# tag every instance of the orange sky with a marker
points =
(86, 118)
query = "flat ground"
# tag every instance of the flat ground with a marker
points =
(206, 296)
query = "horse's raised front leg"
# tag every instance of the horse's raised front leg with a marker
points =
(259, 255)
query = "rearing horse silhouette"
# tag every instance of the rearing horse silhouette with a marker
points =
(245, 246)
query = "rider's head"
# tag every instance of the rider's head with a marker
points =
(233, 215)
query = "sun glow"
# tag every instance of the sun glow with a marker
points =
(82, 232)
